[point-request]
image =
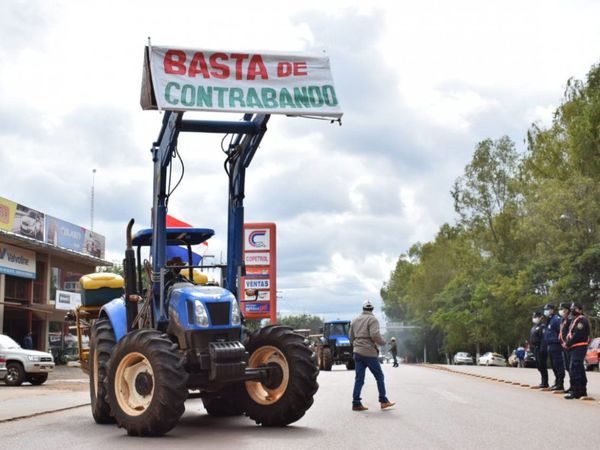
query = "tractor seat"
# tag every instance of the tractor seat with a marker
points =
(99, 288)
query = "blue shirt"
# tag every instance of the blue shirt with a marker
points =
(553, 330)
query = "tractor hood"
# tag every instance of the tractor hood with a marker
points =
(341, 340)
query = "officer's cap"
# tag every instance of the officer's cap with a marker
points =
(564, 305)
(549, 306)
(537, 314)
(576, 305)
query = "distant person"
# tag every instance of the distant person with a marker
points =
(578, 339)
(564, 311)
(394, 351)
(554, 347)
(28, 341)
(520, 353)
(364, 337)
(540, 350)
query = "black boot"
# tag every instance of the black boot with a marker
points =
(558, 386)
(575, 393)
(542, 385)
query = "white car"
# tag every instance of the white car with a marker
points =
(2, 366)
(492, 359)
(24, 365)
(463, 358)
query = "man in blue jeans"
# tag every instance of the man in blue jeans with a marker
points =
(365, 336)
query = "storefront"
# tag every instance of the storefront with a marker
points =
(34, 268)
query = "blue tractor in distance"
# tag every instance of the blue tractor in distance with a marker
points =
(334, 346)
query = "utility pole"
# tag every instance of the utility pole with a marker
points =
(92, 201)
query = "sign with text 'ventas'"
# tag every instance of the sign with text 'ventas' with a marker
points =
(259, 286)
(206, 80)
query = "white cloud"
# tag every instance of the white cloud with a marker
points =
(420, 83)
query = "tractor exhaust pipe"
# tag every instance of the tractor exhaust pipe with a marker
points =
(130, 278)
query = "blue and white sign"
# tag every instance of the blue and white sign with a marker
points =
(257, 283)
(257, 307)
(17, 262)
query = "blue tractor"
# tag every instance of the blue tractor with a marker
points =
(334, 346)
(167, 339)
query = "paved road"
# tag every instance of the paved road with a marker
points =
(436, 409)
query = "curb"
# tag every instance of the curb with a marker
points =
(500, 380)
(12, 419)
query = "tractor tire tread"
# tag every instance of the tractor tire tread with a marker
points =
(103, 341)
(170, 383)
(302, 385)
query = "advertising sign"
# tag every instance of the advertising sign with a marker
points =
(67, 300)
(17, 262)
(21, 220)
(7, 214)
(259, 293)
(181, 79)
(257, 259)
(24, 221)
(73, 237)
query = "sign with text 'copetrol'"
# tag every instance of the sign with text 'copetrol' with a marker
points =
(181, 79)
(259, 286)
(17, 262)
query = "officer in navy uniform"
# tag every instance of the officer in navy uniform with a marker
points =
(554, 347)
(564, 311)
(538, 345)
(577, 341)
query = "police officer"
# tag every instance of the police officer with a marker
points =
(564, 311)
(577, 342)
(538, 345)
(554, 347)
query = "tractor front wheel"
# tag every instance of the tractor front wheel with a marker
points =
(289, 391)
(102, 345)
(146, 383)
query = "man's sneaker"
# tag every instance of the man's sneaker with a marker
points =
(386, 405)
(359, 408)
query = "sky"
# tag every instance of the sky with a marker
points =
(420, 83)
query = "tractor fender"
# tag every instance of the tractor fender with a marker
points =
(116, 313)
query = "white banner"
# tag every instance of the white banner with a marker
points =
(17, 262)
(206, 80)
(67, 300)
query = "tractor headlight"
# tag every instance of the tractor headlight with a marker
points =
(235, 313)
(201, 316)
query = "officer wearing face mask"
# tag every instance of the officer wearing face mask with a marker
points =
(538, 346)
(564, 311)
(554, 347)
(578, 339)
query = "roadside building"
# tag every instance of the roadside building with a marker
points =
(41, 261)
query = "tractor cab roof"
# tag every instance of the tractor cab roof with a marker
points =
(338, 321)
(175, 236)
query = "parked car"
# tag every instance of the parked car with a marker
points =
(492, 359)
(2, 366)
(24, 365)
(592, 357)
(462, 358)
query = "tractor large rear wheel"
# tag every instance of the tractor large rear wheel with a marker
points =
(102, 345)
(286, 396)
(146, 383)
